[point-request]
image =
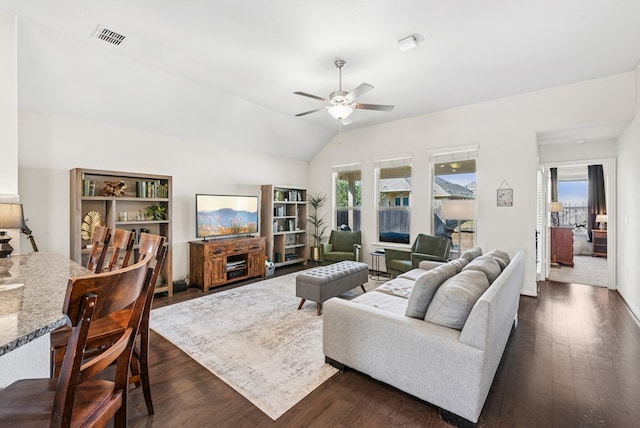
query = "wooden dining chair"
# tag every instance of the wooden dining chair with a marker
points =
(150, 246)
(99, 244)
(103, 333)
(122, 244)
(85, 394)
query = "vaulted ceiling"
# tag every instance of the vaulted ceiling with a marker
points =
(225, 71)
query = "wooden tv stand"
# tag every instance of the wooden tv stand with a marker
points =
(222, 261)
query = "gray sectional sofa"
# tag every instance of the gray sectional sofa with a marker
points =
(437, 332)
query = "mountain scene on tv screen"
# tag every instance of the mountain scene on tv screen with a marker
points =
(227, 221)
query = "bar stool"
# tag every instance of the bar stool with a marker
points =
(150, 246)
(103, 333)
(83, 395)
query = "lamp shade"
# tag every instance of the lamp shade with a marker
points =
(457, 209)
(601, 218)
(11, 216)
(555, 207)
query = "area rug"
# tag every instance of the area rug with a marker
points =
(587, 270)
(254, 339)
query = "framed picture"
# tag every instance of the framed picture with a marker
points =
(505, 197)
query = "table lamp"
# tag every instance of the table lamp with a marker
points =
(602, 220)
(555, 207)
(10, 218)
(457, 209)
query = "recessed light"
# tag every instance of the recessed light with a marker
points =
(580, 141)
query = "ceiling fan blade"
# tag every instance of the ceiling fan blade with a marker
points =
(315, 97)
(362, 89)
(309, 112)
(381, 107)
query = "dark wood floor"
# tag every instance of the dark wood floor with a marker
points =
(573, 361)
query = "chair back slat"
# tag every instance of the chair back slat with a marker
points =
(99, 244)
(121, 244)
(149, 245)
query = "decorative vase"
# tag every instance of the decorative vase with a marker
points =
(316, 254)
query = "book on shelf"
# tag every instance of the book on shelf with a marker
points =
(88, 187)
(151, 189)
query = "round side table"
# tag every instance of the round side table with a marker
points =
(376, 273)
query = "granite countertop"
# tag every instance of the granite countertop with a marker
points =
(32, 291)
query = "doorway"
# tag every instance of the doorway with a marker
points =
(584, 267)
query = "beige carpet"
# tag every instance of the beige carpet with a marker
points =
(254, 339)
(587, 270)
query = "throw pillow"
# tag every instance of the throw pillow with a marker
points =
(459, 264)
(486, 264)
(502, 257)
(455, 298)
(424, 289)
(471, 254)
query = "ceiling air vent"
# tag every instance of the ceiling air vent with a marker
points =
(109, 36)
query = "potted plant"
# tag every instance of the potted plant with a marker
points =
(155, 212)
(317, 222)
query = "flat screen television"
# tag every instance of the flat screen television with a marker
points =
(226, 215)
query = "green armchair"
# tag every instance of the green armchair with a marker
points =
(425, 247)
(342, 245)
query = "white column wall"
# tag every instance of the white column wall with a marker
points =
(628, 249)
(8, 104)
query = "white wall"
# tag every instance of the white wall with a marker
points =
(505, 131)
(8, 104)
(628, 250)
(51, 145)
(571, 152)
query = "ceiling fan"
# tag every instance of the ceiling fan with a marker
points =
(341, 104)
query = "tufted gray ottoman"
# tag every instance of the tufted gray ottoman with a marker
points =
(322, 283)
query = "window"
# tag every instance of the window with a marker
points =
(573, 195)
(394, 200)
(454, 194)
(348, 196)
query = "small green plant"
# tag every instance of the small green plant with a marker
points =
(155, 212)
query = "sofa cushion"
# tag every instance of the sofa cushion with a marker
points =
(502, 257)
(400, 287)
(471, 254)
(486, 264)
(429, 264)
(425, 287)
(375, 299)
(455, 298)
(337, 256)
(413, 274)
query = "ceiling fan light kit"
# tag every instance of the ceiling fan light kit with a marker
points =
(340, 111)
(407, 43)
(341, 104)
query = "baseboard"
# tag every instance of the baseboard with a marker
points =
(335, 364)
(455, 420)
